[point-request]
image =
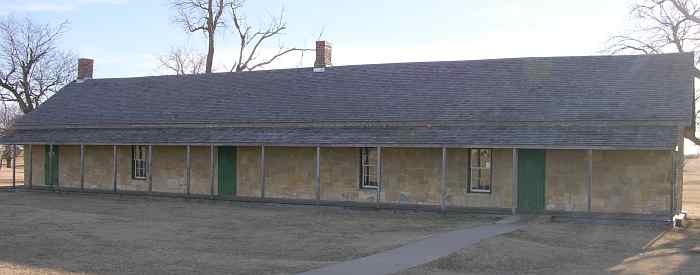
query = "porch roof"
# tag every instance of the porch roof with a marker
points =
(562, 137)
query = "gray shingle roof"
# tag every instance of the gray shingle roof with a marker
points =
(654, 90)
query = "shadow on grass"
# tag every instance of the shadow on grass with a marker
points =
(577, 248)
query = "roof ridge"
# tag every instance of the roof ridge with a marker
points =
(391, 63)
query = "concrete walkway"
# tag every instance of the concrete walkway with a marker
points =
(420, 252)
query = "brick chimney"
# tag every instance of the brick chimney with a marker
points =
(323, 55)
(85, 68)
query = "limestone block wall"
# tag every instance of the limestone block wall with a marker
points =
(501, 195)
(632, 182)
(340, 176)
(411, 175)
(69, 166)
(199, 179)
(248, 171)
(623, 181)
(290, 172)
(125, 181)
(169, 169)
(566, 185)
(37, 165)
(98, 166)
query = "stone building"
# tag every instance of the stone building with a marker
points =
(591, 134)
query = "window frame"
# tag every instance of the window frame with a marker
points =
(470, 168)
(139, 167)
(365, 173)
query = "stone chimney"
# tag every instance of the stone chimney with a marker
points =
(85, 69)
(323, 55)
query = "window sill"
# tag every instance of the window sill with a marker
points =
(480, 191)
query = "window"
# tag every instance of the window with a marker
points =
(139, 162)
(479, 174)
(368, 168)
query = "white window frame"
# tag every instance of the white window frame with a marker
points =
(139, 162)
(471, 168)
(368, 169)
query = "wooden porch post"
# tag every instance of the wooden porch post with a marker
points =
(679, 183)
(677, 162)
(114, 168)
(674, 177)
(82, 167)
(150, 168)
(379, 174)
(28, 178)
(443, 179)
(50, 179)
(14, 166)
(515, 181)
(262, 171)
(211, 171)
(188, 169)
(589, 178)
(318, 174)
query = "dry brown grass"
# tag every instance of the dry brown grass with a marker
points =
(52, 233)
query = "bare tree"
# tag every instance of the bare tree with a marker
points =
(660, 26)
(250, 40)
(32, 68)
(689, 9)
(205, 16)
(182, 61)
(8, 115)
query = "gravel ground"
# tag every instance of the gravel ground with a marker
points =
(571, 248)
(51, 233)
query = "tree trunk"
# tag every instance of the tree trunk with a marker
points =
(210, 53)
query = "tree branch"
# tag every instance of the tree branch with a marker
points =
(281, 53)
(205, 16)
(250, 42)
(31, 66)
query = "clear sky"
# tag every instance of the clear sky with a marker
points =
(125, 37)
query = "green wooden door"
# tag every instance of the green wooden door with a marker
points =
(227, 170)
(51, 169)
(531, 180)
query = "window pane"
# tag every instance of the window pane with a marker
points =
(480, 170)
(474, 158)
(485, 179)
(371, 156)
(485, 157)
(140, 158)
(368, 168)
